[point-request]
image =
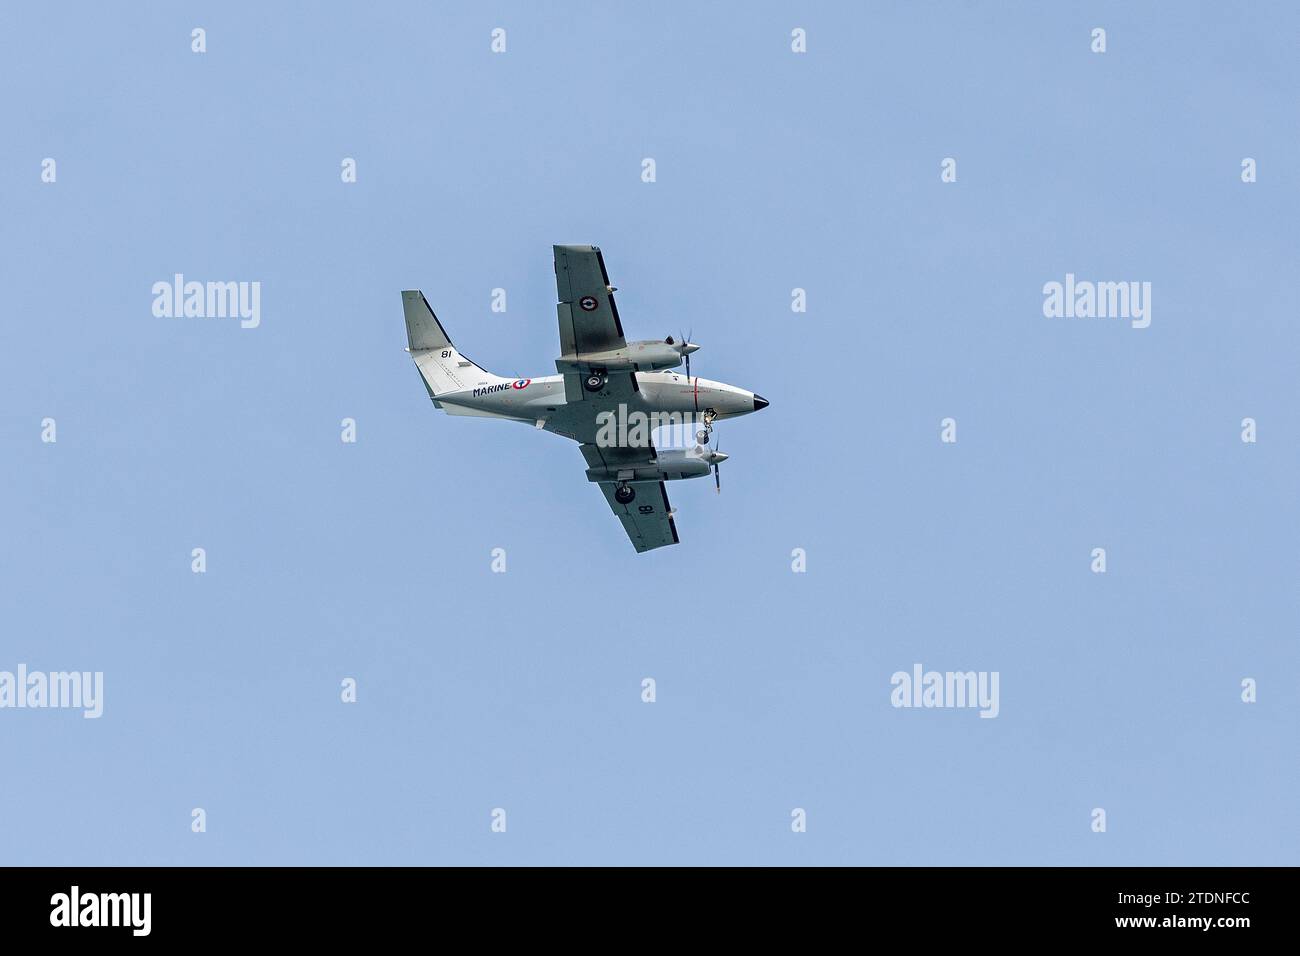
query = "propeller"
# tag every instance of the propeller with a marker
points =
(716, 458)
(684, 348)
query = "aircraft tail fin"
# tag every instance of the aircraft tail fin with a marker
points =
(443, 368)
(423, 330)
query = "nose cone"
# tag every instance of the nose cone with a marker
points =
(759, 403)
(689, 348)
(718, 457)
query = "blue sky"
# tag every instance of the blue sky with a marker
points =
(521, 690)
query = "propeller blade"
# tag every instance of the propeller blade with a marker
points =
(717, 479)
(685, 348)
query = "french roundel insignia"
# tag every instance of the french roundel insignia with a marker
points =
(589, 303)
(522, 383)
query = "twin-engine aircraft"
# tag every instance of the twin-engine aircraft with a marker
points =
(609, 395)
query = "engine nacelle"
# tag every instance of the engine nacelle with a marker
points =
(651, 355)
(672, 465)
(648, 355)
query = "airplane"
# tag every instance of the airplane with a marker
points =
(605, 384)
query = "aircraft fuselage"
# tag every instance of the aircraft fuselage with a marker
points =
(542, 400)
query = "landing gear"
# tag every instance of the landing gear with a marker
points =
(702, 436)
(595, 382)
(624, 494)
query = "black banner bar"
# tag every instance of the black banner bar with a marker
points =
(372, 904)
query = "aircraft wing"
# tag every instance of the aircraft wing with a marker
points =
(647, 518)
(588, 316)
(589, 322)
